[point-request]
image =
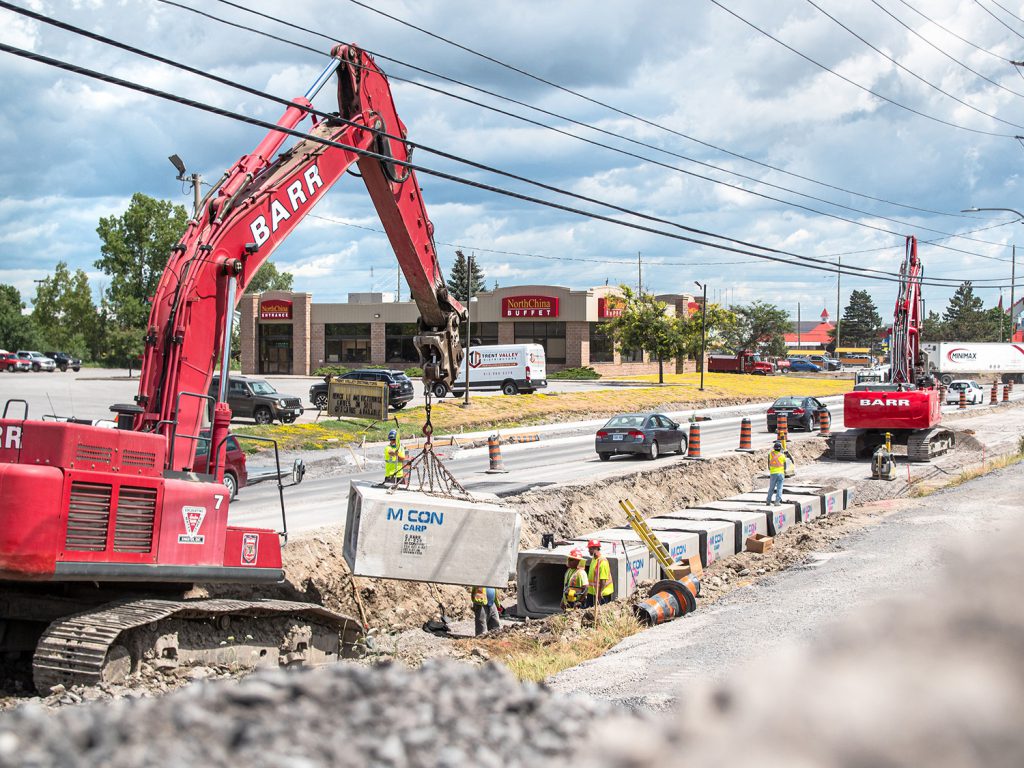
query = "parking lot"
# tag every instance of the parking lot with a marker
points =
(89, 393)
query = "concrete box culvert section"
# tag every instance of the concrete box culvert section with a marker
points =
(805, 507)
(833, 502)
(717, 538)
(540, 575)
(777, 519)
(411, 536)
(746, 524)
(678, 544)
(812, 502)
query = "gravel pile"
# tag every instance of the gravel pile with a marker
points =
(444, 714)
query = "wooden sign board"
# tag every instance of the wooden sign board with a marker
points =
(353, 399)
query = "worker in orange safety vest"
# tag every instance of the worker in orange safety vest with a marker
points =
(574, 588)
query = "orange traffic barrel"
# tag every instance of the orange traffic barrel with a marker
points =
(669, 599)
(494, 454)
(782, 426)
(1007, 386)
(745, 436)
(993, 397)
(693, 444)
(963, 399)
(825, 424)
(942, 394)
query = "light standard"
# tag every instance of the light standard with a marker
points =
(703, 330)
(1013, 260)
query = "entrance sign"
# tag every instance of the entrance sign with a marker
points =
(276, 309)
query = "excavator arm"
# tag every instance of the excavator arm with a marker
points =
(908, 317)
(257, 204)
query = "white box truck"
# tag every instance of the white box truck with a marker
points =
(949, 360)
(512, 368)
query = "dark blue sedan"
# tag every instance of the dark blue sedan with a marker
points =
(799, 364)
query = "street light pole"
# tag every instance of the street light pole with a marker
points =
(703, 331)
(1013, 259)
(469, 321)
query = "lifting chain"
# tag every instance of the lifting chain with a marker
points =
(431, 476)
(428, 428)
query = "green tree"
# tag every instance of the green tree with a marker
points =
(457, 278)
(720, 320)
(966, 318)
(861, 322)
(759, 327)
(644, 325)
(933, 328)
(64, 313)
(135, 248)
(17, 330)
(268, 278)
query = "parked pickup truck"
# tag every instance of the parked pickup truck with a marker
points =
(745, 362)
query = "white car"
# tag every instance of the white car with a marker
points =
(972, 391)
(38, 360)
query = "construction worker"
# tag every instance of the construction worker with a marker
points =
(394, 460)
(776, 473)
(485, 609)
(599, 576)
(575, 585)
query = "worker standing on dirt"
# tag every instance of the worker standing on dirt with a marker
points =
(776, 473)
(599, 576)
(576, 582)
(485, 609)
(394, 460)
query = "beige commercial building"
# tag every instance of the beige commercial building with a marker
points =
(287, 333)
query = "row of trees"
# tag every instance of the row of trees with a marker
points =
(964, 319)
(643, 324)
(133, 253)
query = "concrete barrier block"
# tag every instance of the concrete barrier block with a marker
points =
(540, 575)
(778, 518)
(833, 501)
(396, 534)
(805, 505)
(717, 538)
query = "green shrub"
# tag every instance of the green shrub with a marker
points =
(414, 372)
(575, 373)
(331, 370)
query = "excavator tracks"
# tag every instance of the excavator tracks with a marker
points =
(925, 444)
(109, 643)
(847, 446)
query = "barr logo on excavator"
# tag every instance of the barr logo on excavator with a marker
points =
(894, 403)
(10, 437)
(298, 195)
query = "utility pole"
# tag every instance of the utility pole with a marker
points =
(839, 285)
(639, 275)
(1013, 295)
(703, 331)
(798, 338)
(398, 283)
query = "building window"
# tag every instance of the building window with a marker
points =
(602, 348)
(551, 336)
(483, 334)
(347, 342)
(631, 355)
(398, 346)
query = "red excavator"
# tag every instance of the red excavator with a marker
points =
(907, 407)
(105, 530)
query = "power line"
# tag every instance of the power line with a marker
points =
(989, 12)
(949, 31)
(615, 149)
(577, 94)
(825, 266)
(857, 85)
(955, 60)
(909, 71)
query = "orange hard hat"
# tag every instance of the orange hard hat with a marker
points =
(593, 544)
(575, 555)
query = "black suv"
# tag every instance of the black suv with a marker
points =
(64, 360)
(399, 386)
(258, 400)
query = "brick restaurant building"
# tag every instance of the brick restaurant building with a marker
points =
(286, 333)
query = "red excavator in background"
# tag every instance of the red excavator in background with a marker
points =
(906, 407)
(105, 530)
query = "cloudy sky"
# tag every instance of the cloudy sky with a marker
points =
(821, 128)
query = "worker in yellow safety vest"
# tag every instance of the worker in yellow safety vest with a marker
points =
(776, 473)
(485, 609)
(575, 585)
(394, 460)
(599, 576)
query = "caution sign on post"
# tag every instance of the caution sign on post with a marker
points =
(352, 399)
